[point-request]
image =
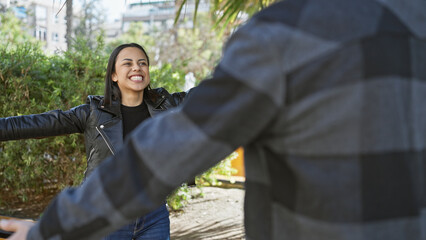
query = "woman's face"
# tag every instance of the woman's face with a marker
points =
(131, 71)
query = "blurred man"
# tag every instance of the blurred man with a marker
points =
(327, 98)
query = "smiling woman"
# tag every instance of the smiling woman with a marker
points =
(106, 121)
(127, 82)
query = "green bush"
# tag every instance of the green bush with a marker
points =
(34, 83)
(224, 168)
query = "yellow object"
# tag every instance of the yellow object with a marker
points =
(238, 163)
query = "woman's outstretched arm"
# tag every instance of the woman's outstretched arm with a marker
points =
(52, 123)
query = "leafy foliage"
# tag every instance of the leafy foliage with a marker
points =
(34, 83)
(167, 77)
(13, 31)
(224, 168)
(179, 198)
(228, 13)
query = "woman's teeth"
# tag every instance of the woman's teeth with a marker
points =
(136, 78)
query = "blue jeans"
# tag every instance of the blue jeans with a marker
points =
(154, 225)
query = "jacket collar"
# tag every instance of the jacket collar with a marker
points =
(114, 108)
(154, 99)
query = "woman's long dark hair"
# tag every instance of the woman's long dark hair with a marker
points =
(112, 91)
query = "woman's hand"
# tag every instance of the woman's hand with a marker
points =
(19, 227)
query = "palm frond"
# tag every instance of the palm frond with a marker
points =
(226, 12)
(179, 10)
(197, 2)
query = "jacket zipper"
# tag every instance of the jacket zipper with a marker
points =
(91, 154)
(106, 142)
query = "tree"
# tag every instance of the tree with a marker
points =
(90, 21)
(13, 31)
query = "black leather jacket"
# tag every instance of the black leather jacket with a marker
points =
(102, 125)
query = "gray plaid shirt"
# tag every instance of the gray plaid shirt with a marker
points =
(327, 97)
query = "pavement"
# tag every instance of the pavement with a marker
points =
(217, 215)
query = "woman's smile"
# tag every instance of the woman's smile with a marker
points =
(136, 78)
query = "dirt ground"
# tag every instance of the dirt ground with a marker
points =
(216, 215)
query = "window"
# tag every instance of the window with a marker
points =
(40, 33)
(55, 37)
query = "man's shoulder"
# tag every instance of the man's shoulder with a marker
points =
(331, 20)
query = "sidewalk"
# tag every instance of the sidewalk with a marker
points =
(217, 215)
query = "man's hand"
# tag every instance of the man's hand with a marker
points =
(19, 227)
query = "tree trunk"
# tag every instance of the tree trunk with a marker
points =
(69, 18)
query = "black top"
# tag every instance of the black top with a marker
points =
(133, 116)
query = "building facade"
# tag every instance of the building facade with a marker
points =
(45, 20)
(158, 14)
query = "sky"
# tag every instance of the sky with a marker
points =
(114, 8)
